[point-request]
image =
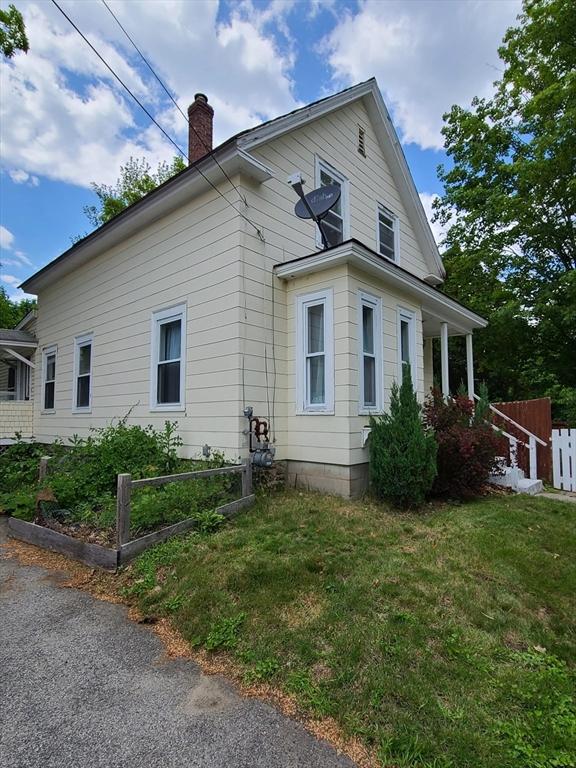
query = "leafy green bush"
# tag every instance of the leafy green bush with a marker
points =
(152, 507)
(467, 445)
(402, 451)
(19, 464)
(83, 476)
(88, 470)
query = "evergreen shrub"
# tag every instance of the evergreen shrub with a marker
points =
(402, 450)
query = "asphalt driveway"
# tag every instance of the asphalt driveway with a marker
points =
(82, 686)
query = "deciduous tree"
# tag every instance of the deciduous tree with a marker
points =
(12, 32)
(136, 180)
(11, 312)
(510, 203)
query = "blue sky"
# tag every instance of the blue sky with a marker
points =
(65, 122)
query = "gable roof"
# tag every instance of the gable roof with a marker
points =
(233, 156)
(389, 142)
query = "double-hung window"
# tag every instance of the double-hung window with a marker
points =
(315, 353)
(82, 395)
(370, 352)
(387, 233)
(168, 358)
(48, 378)
(335, 222)
(406, 345)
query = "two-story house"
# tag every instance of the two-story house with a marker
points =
(210, 295)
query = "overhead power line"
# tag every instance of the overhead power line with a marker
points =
(144, 59)
(172, 99)
(152, 118)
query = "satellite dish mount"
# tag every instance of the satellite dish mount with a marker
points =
(316, 204)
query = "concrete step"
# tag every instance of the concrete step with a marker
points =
(530, 486)
(514, 478)
(509, 477)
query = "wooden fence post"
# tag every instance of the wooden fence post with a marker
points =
(43, 471)
(247, 477)
(123, 494)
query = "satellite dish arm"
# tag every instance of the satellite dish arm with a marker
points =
(300, 192)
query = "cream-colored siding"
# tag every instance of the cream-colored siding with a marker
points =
(30, 326)
(392, 301)
(241, 319)
(191, 257)
(15, 417)
(334, 139)
(326, 439)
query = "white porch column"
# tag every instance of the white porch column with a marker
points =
(470, 366)
(444, 359)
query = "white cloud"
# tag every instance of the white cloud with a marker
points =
(23, 258)
(66, 118)
(18, 259)
(6, 238)
(9, 262)
(16, 294)
(19, 176)
(426, 56)
(316, 6)
(10, 280)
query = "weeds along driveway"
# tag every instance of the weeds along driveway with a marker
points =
(81, 685)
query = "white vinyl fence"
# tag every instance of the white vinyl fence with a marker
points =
(564, 459)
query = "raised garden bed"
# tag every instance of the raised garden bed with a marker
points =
(125, 549)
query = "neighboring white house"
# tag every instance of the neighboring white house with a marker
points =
(209, 295)
(17, 350)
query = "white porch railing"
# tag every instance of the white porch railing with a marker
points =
(531, 445)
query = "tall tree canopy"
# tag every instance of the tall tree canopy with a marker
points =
(12, 32)
(11, 312)
(510, 204)
(136, 180)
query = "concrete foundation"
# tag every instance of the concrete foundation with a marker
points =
(348, 481)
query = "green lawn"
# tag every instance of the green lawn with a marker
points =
(445, 638)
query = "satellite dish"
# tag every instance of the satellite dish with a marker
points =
(317, 203)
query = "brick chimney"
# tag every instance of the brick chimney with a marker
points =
(200, 117)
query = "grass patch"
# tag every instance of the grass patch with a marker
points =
(440, 639)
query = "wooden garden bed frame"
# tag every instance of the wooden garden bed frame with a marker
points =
(126, 548)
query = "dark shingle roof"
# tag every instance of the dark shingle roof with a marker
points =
(10, 334)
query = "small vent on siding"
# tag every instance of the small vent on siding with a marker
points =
(361, 141)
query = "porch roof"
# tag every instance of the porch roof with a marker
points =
(12, 337)
(437, 307)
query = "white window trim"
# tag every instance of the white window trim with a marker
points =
(302, 302)
(345, 196)
(80, 341)
(409, 316)
(46, 352)
(170, 313)
(396, 220)
(368, 300)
